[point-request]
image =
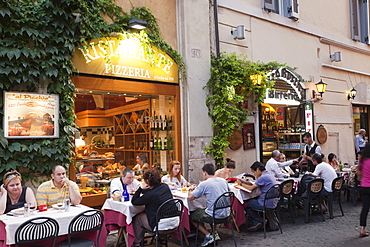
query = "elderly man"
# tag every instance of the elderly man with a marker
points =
(360, 140)
(212, 188)
(126, 179)
(58, 189)
(274, 165)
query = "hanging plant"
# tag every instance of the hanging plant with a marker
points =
(233, 79)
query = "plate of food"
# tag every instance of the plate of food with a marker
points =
(58, 206)
(18, 211)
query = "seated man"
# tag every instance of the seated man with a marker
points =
(126, 179)
(273, 165)
(227, 170)
(264, 181)
(326, 172)
(212, 187)
(285, 169)
(58, 189)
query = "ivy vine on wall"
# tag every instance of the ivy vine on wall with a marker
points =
(233, 79)
(38, 40)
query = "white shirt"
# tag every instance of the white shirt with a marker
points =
(167, 179)
(317, 150)
(326, 172)
(273, 167)
(117, 185)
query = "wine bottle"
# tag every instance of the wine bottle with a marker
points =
(165, 143)
(170, 123)
(151, 143)
(160, 123)
(159, 143)
(155, 122)
(169, 142)
(164, 125)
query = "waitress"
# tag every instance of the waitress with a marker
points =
(13, 195)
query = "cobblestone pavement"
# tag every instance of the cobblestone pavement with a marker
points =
(340, 231)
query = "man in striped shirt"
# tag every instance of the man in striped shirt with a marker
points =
(58, 189)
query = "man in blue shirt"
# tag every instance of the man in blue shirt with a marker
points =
(360, 140)
(212, 188)
(265, 180)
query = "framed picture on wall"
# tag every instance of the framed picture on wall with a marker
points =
(31, 115)
(249, 139)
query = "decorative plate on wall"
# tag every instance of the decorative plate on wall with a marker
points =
(322, 135)
(236, 139)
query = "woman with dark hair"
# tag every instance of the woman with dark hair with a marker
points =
(141, 163)
(174, 179)
(151, 193)
(332, 160)
(227, 170)
(363, 174)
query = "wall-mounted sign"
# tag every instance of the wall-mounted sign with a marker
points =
(292, 93)
(31, 115)
(127, 58)
(308, 117)
(322, 134)
(280, 113)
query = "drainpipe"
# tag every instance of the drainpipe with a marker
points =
(215, 14)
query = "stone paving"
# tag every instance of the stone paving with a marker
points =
(340, 231)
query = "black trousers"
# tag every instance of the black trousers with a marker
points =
(365, 198)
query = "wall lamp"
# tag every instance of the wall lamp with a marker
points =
(352, 94)
(336, 57)
(137, 24)
(321, 88)
(238, 33)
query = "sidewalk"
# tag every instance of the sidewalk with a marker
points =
(340, 231)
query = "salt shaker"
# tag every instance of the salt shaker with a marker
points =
(67, 205)
(26, 210)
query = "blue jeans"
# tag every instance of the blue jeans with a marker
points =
(252, 206)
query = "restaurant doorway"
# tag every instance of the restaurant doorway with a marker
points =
(361, 119)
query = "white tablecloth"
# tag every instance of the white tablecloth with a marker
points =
(63, 218)
(190, 205)
(242, 195)
(125, 208)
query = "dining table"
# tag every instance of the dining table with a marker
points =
(10, 222)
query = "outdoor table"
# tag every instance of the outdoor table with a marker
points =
(295, 183)
(9, 224)
(118, 215)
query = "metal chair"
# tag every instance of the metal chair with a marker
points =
(272, 194)
(313, 198)
(337, 187)
(286, 198)
(172, 208)
(90, 220)
(224, 201)
(37, 229)
(248, 177)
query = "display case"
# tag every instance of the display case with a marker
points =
(291, 144)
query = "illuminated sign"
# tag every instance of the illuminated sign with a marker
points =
(293, 96)
(127, 58)
(308, 118)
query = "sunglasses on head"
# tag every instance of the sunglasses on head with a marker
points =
(12, 174)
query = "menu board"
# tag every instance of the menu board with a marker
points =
(31, 115)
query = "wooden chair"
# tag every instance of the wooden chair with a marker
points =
(37, 229)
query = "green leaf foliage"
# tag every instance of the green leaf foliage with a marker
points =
(229, 85)
(38, 38)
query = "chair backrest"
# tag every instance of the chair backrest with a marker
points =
(171, 208)
(224, 201)
(37, 229)
(315, 186)
(90, 220)
(272, 193)
(286, 188)
(337, 184)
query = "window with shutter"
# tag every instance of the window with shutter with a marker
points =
(360, 20)
(269, 5)
(292, 9)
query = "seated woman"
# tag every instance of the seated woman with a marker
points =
(332, 160)
(174, 179)
(227, 170)
(141, 164)
(151, 193)
(285, 169)
(13, 195)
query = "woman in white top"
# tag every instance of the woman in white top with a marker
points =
(174, 179)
